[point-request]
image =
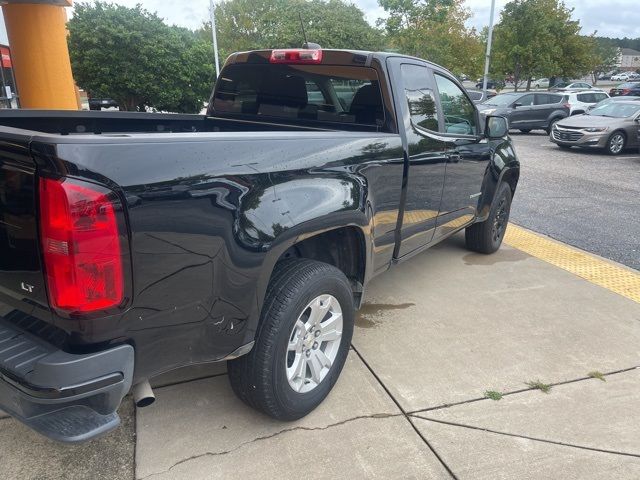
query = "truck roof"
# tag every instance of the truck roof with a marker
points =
(330, 56)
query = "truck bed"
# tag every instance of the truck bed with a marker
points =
(101, 123)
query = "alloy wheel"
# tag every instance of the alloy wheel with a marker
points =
(616, 144)
(314, 343)
(500, 220)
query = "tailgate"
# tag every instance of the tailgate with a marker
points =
(21, 277)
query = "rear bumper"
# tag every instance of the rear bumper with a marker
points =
(66, 397)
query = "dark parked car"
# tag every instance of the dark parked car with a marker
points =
(478, 96)
(528, 111)
(626, 89)
(492, 84)
(134, 244)
(613, 127)
(100, 103)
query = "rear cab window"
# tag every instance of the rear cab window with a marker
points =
(329, 95)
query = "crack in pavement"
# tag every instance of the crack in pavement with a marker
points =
(535, 439)
(183, 382)
(515, 392)
(266, 437)
(404, 414)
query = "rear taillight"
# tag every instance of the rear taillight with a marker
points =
(81, 246)
(296, 56)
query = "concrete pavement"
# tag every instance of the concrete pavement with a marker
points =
(436, 334)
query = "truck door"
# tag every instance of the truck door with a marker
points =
(468, 155)
(426, 154)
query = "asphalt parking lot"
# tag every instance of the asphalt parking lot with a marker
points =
(581, 197)
(435, 336)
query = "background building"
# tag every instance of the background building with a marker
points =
(629, 59)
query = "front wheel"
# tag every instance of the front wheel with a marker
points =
(302, 341)
(551, 124)
(616, 143)
(486, 237)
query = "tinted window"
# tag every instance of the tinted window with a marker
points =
(475, 96)
(313, 93)
(546, 99)
(526, 100)
(597, 97)
(502, 100)
(459, 112)
(586, 97)
(420, 97)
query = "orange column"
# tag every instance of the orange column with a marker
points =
(38, 40)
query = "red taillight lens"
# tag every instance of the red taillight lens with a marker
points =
(81, 246)
(296, 56)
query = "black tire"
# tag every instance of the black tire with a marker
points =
(486, 237)
(525, 130)
(613, 146)
(259, 378)
(552, 122)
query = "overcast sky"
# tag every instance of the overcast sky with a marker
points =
(611, 18)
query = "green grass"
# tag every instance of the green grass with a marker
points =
(538, 385)
(493, 395)
(598, 375)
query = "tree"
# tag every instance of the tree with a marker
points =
(604, 56)
(539, 38)
(261, 24)
(132, 56)
(434, 30)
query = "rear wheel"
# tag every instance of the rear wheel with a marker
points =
(616, 143)
(487, 236)
(302, 341)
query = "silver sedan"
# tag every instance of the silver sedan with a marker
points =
(613, 127)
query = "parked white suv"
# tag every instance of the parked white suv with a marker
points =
(579, 102)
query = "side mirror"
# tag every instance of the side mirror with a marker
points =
(496, 127)
(516, 105)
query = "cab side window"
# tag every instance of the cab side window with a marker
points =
(420, 98)
(459, 112)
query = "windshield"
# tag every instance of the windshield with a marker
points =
(615, 110)
(502, 100)
(628, 85)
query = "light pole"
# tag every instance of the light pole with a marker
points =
(215, 37)
(488, 58)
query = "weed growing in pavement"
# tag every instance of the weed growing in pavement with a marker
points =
(537, 384)
(598, 375)
(493, 395)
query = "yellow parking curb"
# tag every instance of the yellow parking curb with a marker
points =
(623, 281)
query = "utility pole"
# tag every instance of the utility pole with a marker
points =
(215, 37)
(488, 58)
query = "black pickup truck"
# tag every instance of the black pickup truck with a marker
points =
(134, 244)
